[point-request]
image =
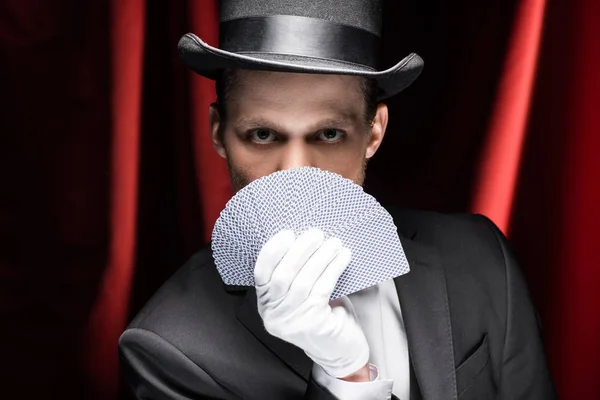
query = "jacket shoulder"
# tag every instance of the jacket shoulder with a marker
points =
(470, 237)
(475, 255)
(193, 294)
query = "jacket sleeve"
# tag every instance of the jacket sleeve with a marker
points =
(154, 369)
(314, 391)
(525, 373)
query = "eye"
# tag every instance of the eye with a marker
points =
(331, 135)
(261, 135)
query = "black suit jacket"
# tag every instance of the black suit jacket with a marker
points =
(472, 330)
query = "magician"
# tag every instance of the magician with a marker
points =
(297, 85)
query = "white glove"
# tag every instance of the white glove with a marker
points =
(294, 279)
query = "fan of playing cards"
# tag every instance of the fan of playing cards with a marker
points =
(300, 199)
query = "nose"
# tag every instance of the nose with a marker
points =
(295, 155)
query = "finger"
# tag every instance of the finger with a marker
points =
(271, 254)
(329, 278)
(310, 273)
(293, 261)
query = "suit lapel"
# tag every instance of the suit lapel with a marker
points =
(294, 357)
(424, 304)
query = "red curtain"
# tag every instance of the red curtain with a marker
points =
(577, 343)
(213, 182)
(111, 182)
(110, 312)
(500, 156)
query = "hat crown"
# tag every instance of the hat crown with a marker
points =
(363, 14)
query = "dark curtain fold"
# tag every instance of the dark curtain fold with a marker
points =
(110, 182)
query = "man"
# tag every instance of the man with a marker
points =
(297, 86)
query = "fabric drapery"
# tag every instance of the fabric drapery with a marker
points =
(501, 152)
(110, 312)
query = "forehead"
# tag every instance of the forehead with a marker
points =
(282, 91)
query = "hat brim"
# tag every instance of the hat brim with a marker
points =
(208, 61)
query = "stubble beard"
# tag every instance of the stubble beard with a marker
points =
(237, 176)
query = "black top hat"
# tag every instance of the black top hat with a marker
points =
(312, 36)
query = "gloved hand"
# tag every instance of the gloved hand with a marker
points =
(294, 278)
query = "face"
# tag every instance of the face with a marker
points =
(277, 121)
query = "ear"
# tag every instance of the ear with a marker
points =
(215, 122)
(377, 130)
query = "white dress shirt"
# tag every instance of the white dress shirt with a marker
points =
(378, 311)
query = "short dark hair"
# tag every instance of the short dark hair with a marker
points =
(228, 77)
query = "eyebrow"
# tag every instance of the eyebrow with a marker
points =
(259, 122)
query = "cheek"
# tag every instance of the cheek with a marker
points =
(250, 163)
(347, 162)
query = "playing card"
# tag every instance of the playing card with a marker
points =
(303, 198)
